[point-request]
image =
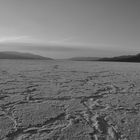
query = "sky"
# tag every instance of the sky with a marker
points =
(70, 28)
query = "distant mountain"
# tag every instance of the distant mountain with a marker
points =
(18, 55)
(84, 58)
(125, 58)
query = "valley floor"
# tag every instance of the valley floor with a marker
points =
(69, 100)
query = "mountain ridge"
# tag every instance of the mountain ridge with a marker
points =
(84, 58)
(20, 55)
(122, 58)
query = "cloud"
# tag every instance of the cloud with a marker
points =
(12, 39)
(60, 41)
(42, 47)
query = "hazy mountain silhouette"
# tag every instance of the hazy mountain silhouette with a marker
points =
(19, 55)
(84, 58)
(125, 58)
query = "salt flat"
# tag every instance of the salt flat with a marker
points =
(69, 100)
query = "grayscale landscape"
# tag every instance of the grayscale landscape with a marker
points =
(69, 100)
(69, 69)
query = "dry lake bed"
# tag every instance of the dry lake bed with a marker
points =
(67, 100)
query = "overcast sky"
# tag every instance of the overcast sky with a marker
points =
(67, 28)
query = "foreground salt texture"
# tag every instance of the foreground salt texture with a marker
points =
(66, 100)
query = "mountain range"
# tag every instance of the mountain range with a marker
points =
(123, 58)
(19, 55)
(84, 58)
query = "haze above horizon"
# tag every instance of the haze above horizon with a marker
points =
(70, 28)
